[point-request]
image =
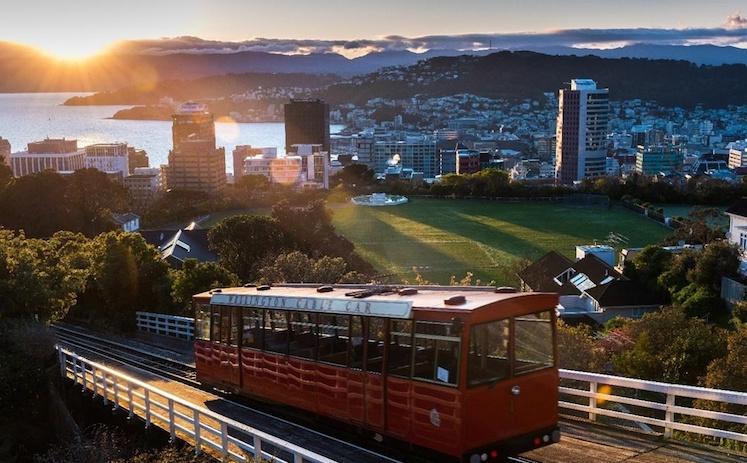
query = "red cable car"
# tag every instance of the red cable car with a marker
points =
(469, 373)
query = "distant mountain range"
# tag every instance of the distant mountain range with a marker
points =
(522, 75)
(25, 69)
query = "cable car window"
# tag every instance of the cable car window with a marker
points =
(235, 325)
(333, 338)
(399, 362)
(215, 324)
(534, 342)
(202, 322)
(436, 353)
(225, 325)
(253, 331)
(376, 343)
(488, 359)
(356, 342)
(276, 331)
(303, 334)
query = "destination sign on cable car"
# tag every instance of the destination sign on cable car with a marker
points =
(391, 309)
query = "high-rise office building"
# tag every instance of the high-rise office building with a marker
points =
(4, 151)
(581, 147)
(307, 123)
(194, 162)
(108, 157)
(241, 152)
(60, 155)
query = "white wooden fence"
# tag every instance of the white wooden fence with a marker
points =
(596, 398)
(166, 325)
(205, 430)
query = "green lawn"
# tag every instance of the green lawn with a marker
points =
(451, 237)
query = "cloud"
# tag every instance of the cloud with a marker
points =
(733, 32)
(735, 21)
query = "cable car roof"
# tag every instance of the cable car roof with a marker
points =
(373, 300)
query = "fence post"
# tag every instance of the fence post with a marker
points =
(224, 439)
(257, 448)
(115, 386)
(93, 379)
(62, 359)
(172, 421)
(78, 362)
(105, 388)
(196, 421)
(146, 404)
(130, 405)
(593, 400)
(669, 415)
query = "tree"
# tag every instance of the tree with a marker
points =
(668, 346)
(22, 201)
(577, 349)
(127, 275)
(6, 175)
(242, 241)
(40, 278)
(648, 265)
(195, 277)
(252, 183)
(297, 267)
(354, 176)
(717, 260)
(91, 197)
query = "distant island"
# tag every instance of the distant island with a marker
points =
(145, 113)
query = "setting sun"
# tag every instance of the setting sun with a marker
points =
(72, 48)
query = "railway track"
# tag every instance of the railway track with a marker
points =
(172, 369)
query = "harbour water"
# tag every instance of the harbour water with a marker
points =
(27, 117)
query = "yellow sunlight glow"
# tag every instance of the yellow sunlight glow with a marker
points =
(71, 48)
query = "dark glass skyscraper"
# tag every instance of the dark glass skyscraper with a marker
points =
(307, 123)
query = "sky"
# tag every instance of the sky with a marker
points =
(77, 28)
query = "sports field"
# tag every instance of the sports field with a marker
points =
(443, 237)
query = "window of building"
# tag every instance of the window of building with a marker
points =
(399, 362)
(202, 322)
(436, 353)
(533, 342)
(355, 344)
(489, 355)
(376, 340)
(276, 331)
(253, 330)
(743, 241)
(333, 339)
(303, 335)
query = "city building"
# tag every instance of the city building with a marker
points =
(658, 159)
(57, 154)
(137, 158)
(306, 166)
(144, 185)
(194, 162)
(468, 161)
(4, 151)
(737, 233)
(241, 152)
(420, 156)
(127, 222)
(108, 157)
(307, 122)
(738, 154)
(581, 137)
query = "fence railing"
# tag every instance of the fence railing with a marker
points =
(205, 430)
(166, 325)
(669, 407)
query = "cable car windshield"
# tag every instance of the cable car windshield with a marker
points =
(490, 356)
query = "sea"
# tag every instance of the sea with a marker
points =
(28, 117)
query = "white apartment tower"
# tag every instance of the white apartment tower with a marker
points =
(583, 114)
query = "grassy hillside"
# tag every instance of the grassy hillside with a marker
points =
(489, 238)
